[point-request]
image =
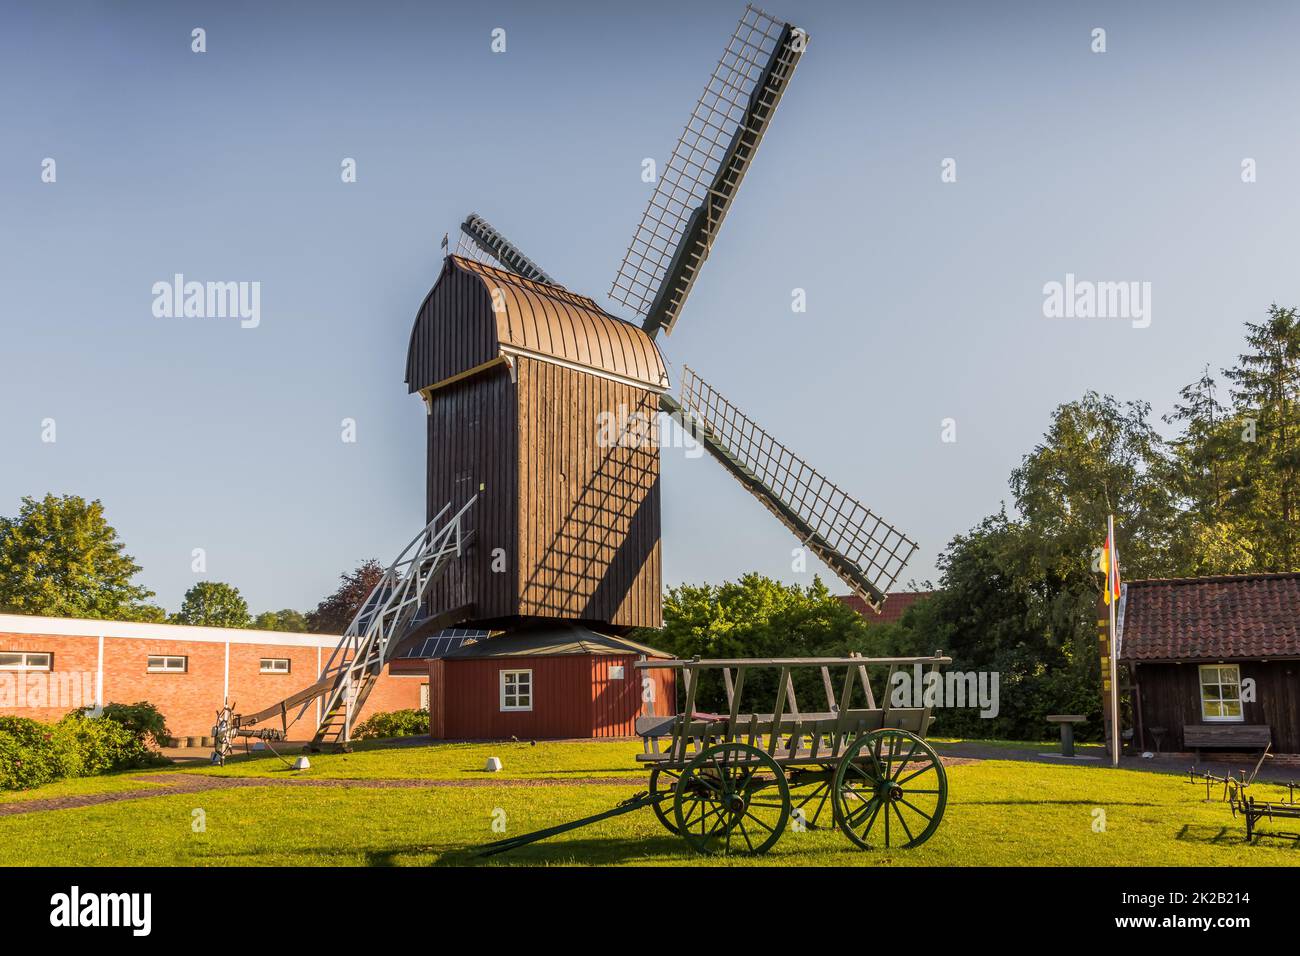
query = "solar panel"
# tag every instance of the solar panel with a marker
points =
(444, 642)
(697, 186)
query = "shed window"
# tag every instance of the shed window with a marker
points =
(1221, 692)
(274, 665)
(167, 664)
(26, 661)
(516, 690)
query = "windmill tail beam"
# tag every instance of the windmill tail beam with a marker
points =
(862, 550)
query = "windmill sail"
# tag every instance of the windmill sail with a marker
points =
(864, 551)
(714, 152)
(482, 243)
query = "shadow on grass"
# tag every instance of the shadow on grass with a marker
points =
(648, 850)
(1053, 803)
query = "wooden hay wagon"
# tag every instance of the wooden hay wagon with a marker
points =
(732, 782)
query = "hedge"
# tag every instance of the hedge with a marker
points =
(396, 723)
(33, 754)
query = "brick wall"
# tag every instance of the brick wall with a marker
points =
(189, 700)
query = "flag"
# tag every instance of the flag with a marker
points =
(1110, 567)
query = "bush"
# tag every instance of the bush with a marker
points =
(33, 754)
(142, 719)
(397, 723)
(30, 755)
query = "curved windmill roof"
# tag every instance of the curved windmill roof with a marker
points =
(476, 314)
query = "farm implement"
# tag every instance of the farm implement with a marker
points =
(731, 783)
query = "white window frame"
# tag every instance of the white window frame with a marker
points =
(166, 667)
(501, 681)
(1202, 684)
(26, 664)
(262, 667)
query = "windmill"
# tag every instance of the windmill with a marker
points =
(543, 424)
(547, 363)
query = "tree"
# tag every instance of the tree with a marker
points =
(285, 620)
(213, 604)
(757, 617)
(1099, 457)
(335, 613)
(1266, 396)
(59, 557)
(1204, 470)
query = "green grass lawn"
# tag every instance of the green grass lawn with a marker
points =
(999, 812)
(378, 760)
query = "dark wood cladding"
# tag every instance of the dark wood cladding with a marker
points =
(518, 397)
(454, 329)
(476, 312)
(588, 497)
(1170, 697)
(471, 450)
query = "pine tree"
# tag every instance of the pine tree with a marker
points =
(1266, 396)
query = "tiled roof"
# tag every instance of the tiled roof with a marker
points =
(1216, 618)
(896, 602)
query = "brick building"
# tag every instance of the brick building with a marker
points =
(49, 666)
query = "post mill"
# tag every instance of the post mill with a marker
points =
(538, 514)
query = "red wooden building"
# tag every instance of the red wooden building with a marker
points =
(546, 682)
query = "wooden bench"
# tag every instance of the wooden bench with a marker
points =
(1200, 737)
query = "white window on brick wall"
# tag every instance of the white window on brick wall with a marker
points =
(168, 664)
(274, 665)
(516, 690)
(26, 661)
(1221, 692)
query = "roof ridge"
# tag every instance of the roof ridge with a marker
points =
(1220, 578)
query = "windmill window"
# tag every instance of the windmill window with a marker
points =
(1221, 692)
(516, 690)
(167, 664)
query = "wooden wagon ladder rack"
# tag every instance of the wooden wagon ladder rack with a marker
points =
(372, 638)
(865, 552)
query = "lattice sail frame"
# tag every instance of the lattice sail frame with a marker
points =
(481, 242)
(874, 549)
(711, 158)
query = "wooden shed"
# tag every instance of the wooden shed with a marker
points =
(546, 682)
(546, 407)
(1214, 662)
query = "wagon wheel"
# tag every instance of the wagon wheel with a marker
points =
(664, 781)
(890, 790)
(732, 798)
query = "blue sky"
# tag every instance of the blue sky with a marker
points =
(925, 298)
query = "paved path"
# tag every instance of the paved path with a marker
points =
(1096, 757)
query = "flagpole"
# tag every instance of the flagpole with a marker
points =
(1112, 561)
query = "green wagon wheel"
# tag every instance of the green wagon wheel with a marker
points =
(732, 798)
(890, 790)
(664, 781)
